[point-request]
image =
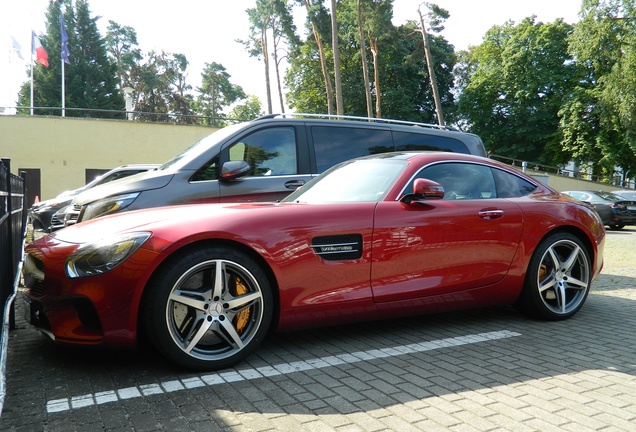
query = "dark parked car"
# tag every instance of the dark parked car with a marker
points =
(614, 210)
(42, 214)
(282, 153)
(383, 236)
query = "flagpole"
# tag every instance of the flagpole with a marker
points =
(32, 49)
(64, 58)
(63, 92)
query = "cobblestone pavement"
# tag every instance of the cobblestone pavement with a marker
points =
(482, 370)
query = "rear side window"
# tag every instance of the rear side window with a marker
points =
(511, 186)
(405, 141)
(333, 145)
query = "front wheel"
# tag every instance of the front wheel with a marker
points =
(558, 278)
(208, 309)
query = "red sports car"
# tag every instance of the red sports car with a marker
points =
(376, 237)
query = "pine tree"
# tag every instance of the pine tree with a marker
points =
(90, 77)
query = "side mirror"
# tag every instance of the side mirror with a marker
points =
(424, 189)
(234, 169)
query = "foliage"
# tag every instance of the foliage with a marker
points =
(405, 90)
(249, 110)
(216, 92)
(516, 82)
(90, 78)
(599, 121)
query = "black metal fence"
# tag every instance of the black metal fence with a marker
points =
(13, 212)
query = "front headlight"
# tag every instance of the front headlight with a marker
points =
(92, 259)
(108, 205)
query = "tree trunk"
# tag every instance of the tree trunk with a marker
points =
(266, 62)
(363, 55)
(373, 44)
(277, 66)
(431, 74)
(336, 58)
(323, 61)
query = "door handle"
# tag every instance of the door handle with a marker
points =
(491, 214)
(294, 184)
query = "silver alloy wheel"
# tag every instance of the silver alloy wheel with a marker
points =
(563, 277)
(214, 310)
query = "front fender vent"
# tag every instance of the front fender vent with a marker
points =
(338, 247)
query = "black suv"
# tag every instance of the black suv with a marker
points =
(265, 160)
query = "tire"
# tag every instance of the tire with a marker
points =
(617, 227)
(558, 279)
(208, 309)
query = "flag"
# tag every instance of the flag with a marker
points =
(16, 48)
(41, 55)
(65, 51)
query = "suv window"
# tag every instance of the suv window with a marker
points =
(269, 151)
(333, 145)
(405, 141)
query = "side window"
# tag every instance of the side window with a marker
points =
(461, 180)
(405, 141)
(333, 145)
(269, 152)
(511, 186)
(207, 172)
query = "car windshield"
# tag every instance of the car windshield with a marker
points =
(365, 180)
(610, 196)
(200, 147)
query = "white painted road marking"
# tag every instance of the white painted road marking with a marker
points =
(76, 402)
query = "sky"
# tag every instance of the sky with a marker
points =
(206, 31)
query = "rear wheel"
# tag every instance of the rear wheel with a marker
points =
(558, 278)
(617, 227)
(208, 309)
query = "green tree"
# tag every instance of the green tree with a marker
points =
(160, 89)
(404, 92)
(519, 78)
(604, 44)
(90, 77)
(216, 93)
(249, 110)
(123, 49)
(270, 17)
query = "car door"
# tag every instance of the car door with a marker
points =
(466, 240)
(274, 155)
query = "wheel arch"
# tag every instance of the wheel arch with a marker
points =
(578, 233)
(210, 243)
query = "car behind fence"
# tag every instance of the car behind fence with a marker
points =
(12, 234)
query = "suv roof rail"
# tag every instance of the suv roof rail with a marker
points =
(356, 118)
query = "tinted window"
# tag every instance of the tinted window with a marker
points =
(405, 141)
(461, 180)
(510, 186)
(269, 152)
(333, 145)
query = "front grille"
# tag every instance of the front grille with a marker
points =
(37, 290)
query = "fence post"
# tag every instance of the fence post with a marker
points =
(8, 287)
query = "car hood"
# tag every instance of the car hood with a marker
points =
(186, 218)
(148, 180)
(53, 202)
